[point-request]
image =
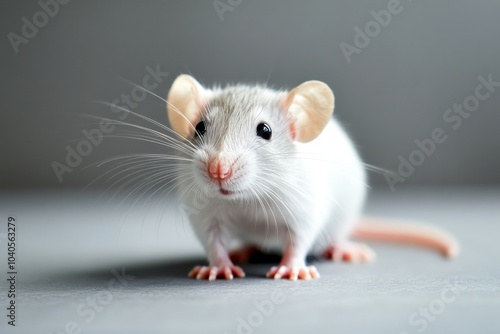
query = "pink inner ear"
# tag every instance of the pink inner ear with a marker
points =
(286, 102)
(292, 130)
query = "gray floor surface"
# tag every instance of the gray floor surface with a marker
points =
(87, 263)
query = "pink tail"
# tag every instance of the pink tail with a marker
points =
(417, 234)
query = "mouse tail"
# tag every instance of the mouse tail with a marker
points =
(408, 233)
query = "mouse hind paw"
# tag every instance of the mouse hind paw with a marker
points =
(349, 252)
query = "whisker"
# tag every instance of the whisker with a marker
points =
(148, 120)
(167, 138)
(162, 99)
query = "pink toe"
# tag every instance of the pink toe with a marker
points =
(228, 274)
(213, 273)
(239, 272)
(202, 273)
(293, 274)
(194, 271)
(281, 271)
(271, 272)
(304, 274)
(314, 272)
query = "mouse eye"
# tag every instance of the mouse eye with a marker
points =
(200, 129)
(264, 131)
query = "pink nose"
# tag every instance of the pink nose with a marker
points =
(219, 170)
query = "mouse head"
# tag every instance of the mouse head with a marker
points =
(245, 136)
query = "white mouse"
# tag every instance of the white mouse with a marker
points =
(273, 170)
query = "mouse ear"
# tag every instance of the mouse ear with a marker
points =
(184, 103)
(311, 107)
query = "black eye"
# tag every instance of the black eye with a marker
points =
(264, 131)
(200, 129)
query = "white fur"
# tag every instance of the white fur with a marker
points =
(307, 194)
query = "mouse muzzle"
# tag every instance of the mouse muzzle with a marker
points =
(220, 168)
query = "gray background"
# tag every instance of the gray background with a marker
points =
(393, 92)
(71, 244)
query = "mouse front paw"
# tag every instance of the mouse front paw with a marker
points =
(213, 272)
(293, 272)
